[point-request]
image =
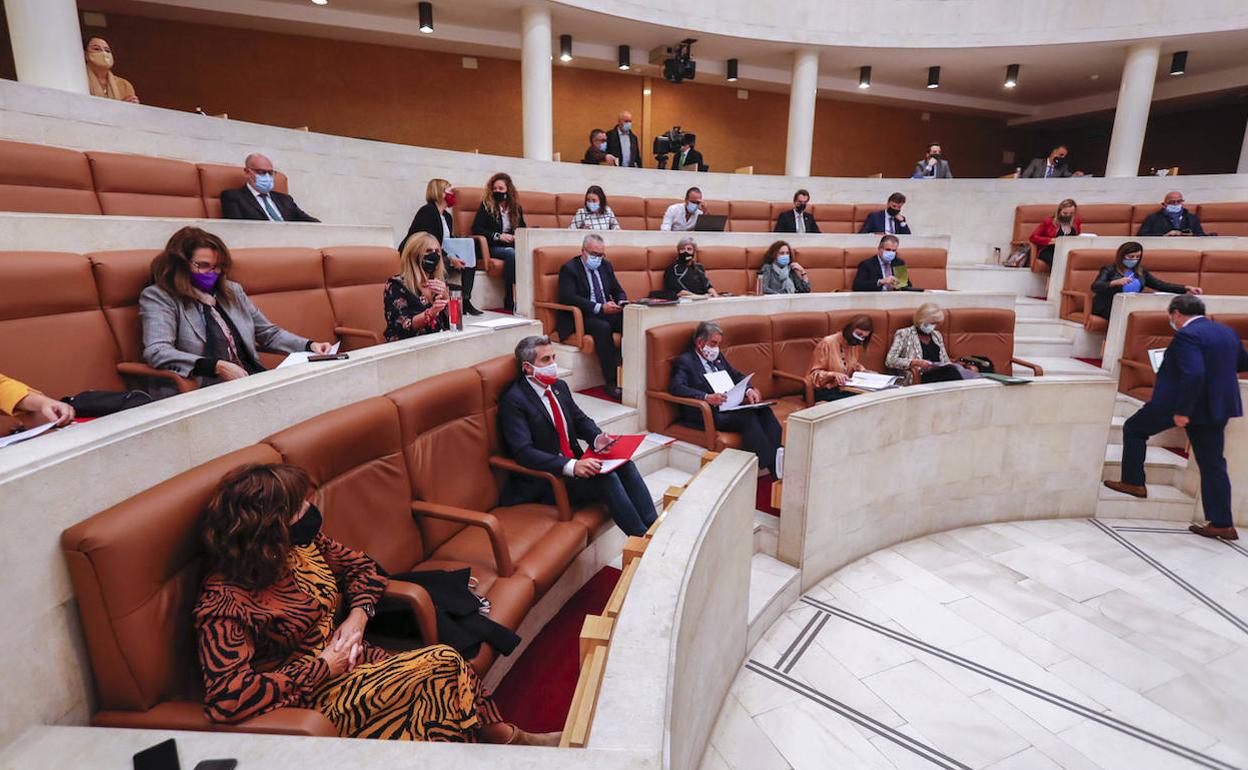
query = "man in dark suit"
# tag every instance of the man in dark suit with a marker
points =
(878, 273)
(542, 428)
(889, 221)
(1052, 167)
(1172, 219)
(588, 282)
(759, 429)
(257, 199)
(797, 219)
(1197, 389)
(622, 142)
(688, 155)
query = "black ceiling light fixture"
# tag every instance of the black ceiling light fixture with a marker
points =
(933, 77)
(426, 17)
(565, 48)
(625, 58)
(1011, 76)
(864, 78)
(732, 70)
(1178, 63)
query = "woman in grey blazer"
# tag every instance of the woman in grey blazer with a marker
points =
(198, 323)
(920, 346)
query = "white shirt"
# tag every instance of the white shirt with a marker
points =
(540, 390)
(626, 147)
(446, 232)
(503, 219)
(799, 221)
(678, 218)
(256, 193)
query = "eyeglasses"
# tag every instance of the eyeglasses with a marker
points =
(204, 267)
(1175, 200)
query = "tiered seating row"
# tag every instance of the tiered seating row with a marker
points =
(1149, 329)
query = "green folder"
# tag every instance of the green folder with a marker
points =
(903, 276)
(1006, 379)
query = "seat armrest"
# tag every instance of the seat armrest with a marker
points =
(131, 369)
(808, 388)
(708, 417)
(1131, 363)
(916, 375)
(1079, 302)
(419, 602)
(1135, 373)
(492, 526)
(556, 483)
(364, 334)
(578, 320)
(484, 260)
(1036, 370)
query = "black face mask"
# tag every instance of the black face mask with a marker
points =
(685, 257)
(894, 212)
(1059, 161)
(800, 207)
(430, 262)
(304, 531)
(500, 196)
(937, 156)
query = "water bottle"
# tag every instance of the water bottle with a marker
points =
(455, 310)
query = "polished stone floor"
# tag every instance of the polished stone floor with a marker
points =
(1045, 644)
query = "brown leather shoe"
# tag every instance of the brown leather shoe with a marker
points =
(1208, 530)
(1135, 490)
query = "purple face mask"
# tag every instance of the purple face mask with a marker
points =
(205, 282)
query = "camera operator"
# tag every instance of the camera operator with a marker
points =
(681, 217)
(687, 154)
(622, 142)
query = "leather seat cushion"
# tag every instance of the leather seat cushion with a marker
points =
(189, 715)
(541, 546)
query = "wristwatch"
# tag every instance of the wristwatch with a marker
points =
(370, 610)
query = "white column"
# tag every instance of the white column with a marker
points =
(803, 89)
(1243, 153)
(1135, 96)
(47, 43)
(535, 89)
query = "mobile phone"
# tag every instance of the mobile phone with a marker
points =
(217, 764)
(609, 444)
(162, 756)
(329, 357)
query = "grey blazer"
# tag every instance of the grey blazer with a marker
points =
(906, 347)
(942, 169)
(1035, 170)
(174, 335)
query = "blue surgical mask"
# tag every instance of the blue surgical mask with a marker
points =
(692, 208)
(602, 147)
(927, 328)
(264, 182)
(888, 256)
(593, 263)
(783, 260)
(627, 125)
(1131, 263)
(592, 207)
(1174, 208)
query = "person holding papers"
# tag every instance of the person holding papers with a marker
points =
(435, 218)
(415, 299)
(542, 428)
(702, 373)
(588, 282)
(919, 348)
(838, 357)
(1127, 275)
(885, 271)
(19, 398)
(198, 323)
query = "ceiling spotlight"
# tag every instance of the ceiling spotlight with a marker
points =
(1178, 63)
(426, 17)
(565, 48)
(864, 77)
(732, 70)
(1011, 76)
(933, 77)
(625, 58)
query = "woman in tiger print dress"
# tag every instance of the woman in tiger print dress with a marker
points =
(267, 636)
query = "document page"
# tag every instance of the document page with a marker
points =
(1155, 357)
(302, 356)
(871, 381)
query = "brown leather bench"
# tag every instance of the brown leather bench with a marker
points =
(1150, 329)
(142, 186)
(49, 180)
(1098, 219)
(1224, 272)
(288, 286)
(1082, 265)
(1224, 218)
(926, 265)
(216, 178)
(750, 217)
(355, 279)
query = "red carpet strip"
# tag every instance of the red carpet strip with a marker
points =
(537, 692)
(598, 392)
(762, 499)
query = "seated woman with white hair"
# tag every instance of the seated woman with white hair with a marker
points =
(686, 277)
(919, 348)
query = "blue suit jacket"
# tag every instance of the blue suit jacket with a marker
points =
(689, 381)
(874, 223)
(530, 437)
(1198, 374)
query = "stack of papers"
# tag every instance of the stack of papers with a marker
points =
(871, 381)
(1155, 357)
(502, 323)
(26, 435)
(721, 382)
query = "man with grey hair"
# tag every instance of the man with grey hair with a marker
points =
(1197, 390)
(595, 306)
(542, 428)
(760, 430)
(257, 199)
(686, 277)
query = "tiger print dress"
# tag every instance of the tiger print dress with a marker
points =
(259, 650)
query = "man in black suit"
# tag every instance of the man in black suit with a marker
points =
(797, 219)
(542, 428)
(257, 199)
(1173, 218)
(889, 221)
(760, 430)
(588, 282)
(622, 142)
(687, 155)
(1052, 167)
(878, 273)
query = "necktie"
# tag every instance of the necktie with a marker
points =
(599, 294)
(270, 208)
(800, 220)
(565, 447)
(1048, 171)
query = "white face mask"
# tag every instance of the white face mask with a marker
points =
(710, 353)
(546, 375)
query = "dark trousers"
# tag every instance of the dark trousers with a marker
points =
(1207, 441)
(467, 278)
(625, 494)
(760, 432)
(507, 255)
(1045, 255)
(831, 394)
(601, 328)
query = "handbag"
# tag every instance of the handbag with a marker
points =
(982, 364)
(1020, 255)
(100, 403)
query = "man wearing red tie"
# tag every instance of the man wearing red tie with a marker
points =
(541, 424)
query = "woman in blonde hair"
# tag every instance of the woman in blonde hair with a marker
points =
(497, 220)
(1065, 221)
(435, 218)
(415, 299)
(920, 346)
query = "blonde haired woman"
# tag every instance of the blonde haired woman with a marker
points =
(919, 346)
(497, 220)
(415, 299)
(435, 218)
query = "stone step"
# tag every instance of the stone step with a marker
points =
(1042, 345)
(1174, 437)
(1058, 365)
(1030, 307)
(610, 416)
(766, 533)
(1043, 327)
(1164, 502)
(774, 586)
(989, 277)
(579, 370)
(657, 481)
(1161, 466)
(1125, 405)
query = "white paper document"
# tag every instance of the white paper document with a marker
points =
(26, 435)
(871, 381)
(501, 323)
(461, 248)
(610, 465)
(1155, 357)
(303, 355)
(721, 382)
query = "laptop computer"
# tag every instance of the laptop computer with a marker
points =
(711, 223)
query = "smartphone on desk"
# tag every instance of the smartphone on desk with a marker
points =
(162, 756)
(329, 357)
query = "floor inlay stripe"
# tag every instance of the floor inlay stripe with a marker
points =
(805, 630)
(1086, 712)
(857, 717)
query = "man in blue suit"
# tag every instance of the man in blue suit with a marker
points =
(1198, 390)
(542, 425)
(889, 221)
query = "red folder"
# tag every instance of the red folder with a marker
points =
(622, 449)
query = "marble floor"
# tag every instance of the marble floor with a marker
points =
(1044, 644)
